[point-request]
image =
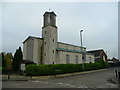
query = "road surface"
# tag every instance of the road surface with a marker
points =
(99, 79)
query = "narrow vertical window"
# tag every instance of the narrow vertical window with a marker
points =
(45, 42)
(53, 40)
(45, 54)
(45, 32)
(53, 51)
(48, 18)
(67, 59)
(76, 59)
(90, 60)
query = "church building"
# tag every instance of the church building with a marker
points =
(47, 50)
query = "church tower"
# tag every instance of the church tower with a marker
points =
(49, 35)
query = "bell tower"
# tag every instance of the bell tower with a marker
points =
(49, 35)
(49, 19)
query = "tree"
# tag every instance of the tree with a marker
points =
(3, 60)
(8, 58)
(0, 59)
(17, 58)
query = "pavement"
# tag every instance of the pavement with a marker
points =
(115, 80)
(26, 78)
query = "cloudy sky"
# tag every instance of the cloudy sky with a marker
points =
(99, 21)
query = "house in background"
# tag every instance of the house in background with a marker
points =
(113, 62)
(99, 54)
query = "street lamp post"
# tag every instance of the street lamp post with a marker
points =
(82, 49)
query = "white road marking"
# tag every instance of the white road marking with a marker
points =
(82, 86)
(72, 86)
(34, 81)
(66, 84)
(69, 85)
(43, 82)
(59, 83)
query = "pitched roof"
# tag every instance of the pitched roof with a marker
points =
(75, 51)
(114, 59)
(96, 52)
(31, 37)
(49, 13)
(71, 45)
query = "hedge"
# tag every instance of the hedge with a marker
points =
(51, 69)
(39, 70)
(3, 70)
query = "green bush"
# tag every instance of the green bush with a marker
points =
(92, 66)
(107, 64)
(4, 70)
(52, 69)
(39, 70)
(102, 62)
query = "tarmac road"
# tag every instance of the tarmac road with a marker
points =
(98, 79)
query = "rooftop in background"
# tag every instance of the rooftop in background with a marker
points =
(96, 52)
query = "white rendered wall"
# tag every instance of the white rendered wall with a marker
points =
(49, 44)
(24, 50)
(89, 58)
(32, 49)
(72, 56)
(37, 51)
(28, 49)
